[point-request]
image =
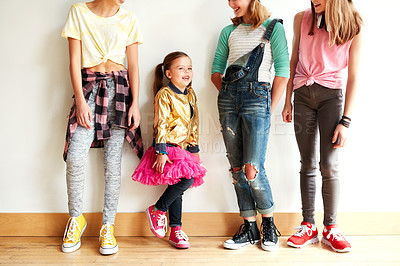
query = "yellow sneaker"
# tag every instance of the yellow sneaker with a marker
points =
(73, 233)
(108, 244)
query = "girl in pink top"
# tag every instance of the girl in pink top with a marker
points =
(326, 43)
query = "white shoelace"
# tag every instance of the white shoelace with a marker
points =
(106, 234)
(181, 235)
(70, 230)
(336, 234)
(303, 229)
(162, 221)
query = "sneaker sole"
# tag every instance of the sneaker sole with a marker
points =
(239, 246)
(182, 246)
(77, 245)
(326, 242)
(151, 225)
(270, 248)
(108, 251)
(313, 240)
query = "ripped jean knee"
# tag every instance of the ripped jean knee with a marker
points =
(253, 194)
(251, 171)
(246, 176)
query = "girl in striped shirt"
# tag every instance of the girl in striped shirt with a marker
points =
(255, 49)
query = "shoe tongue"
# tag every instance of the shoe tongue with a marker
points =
(160, 212)
(329, 227)
(268, 222)
(176, 228)
(252, 223)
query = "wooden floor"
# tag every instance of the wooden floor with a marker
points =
(367, 250)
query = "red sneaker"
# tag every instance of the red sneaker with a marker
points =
(157, 221)
(334, 238)
(178, 238)
(307, 234)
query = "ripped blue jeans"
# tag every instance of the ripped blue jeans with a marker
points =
(245, 117)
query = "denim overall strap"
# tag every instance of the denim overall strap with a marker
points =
(244, 65)
(270, 28)
(249, 62)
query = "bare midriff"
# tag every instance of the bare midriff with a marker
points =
(107, 67)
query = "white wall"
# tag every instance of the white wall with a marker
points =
(36, 97)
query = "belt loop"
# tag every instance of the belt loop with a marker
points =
(251, 86)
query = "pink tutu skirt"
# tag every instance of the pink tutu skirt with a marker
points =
(184, 165)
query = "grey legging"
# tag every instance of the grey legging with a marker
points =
(77, 156)
(318, 109)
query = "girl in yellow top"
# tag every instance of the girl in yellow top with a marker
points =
(173, 159)
(105, 109)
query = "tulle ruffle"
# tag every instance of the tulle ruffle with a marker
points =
(184, 165)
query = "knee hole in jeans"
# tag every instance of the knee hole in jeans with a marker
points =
(251, 171)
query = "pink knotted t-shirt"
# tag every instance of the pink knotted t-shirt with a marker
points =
(319, 61)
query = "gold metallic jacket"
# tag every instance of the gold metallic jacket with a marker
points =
(176, 118)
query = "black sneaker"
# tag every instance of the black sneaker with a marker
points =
(270, 234)
(247, 234)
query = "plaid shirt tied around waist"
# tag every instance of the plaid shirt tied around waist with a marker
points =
(103, 125)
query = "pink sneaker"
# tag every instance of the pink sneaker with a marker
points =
(178, 238)
(334, 238)
(307, 234)
(157, 221)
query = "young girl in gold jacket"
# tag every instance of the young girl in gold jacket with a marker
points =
(173, 158)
